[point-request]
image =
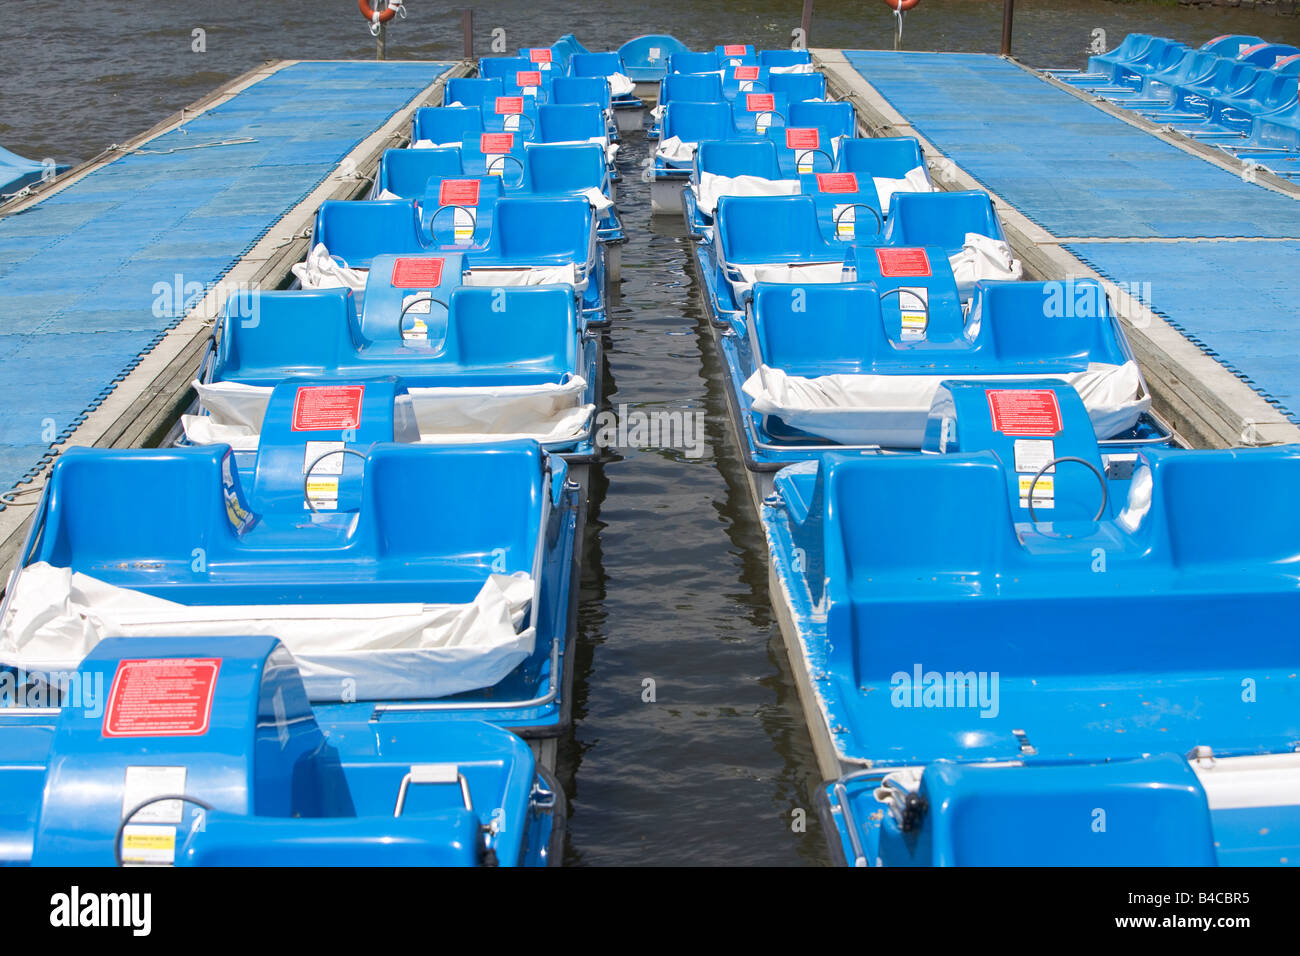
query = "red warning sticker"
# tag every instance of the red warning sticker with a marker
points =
(161, 697)
(509, 105)
(802, 137)
(496, 142)
(734, 49)
(748, 73)
(458, 192)
(903, 262)
(540, 54)
(758, 102)
(327, 407)
(527, 78)
(1024, 411)
(421, 273)
(837, 182)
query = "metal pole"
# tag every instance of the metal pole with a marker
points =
(381, 52)
(467, 27)
(1008, 7)
(805, 24)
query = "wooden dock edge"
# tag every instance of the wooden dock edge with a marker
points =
(145, 404)
(1207, 405)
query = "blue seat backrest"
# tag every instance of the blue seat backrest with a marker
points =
(526, 328)
(503, 67)
(393, 278)
(941, 219)
(691, 88)
(406, 172)
(914, 267)
(301, 413)
(802, 149)
(359, 231)
(110, 508)
(693, 122)
(691, 61)
(798, 86)
(1030, 324)
(267, 336)
(739, 158)
(840, 198)
(565, 168)
(1228, 509)
(763, 229)
(540, 229)
(833, 119)
(818, 329)
(569, 122)
(501, 538)
(473, 91)
(770, 58)
(596, 64)
(441, 125)
(580, 89)
(887, 158)
(963, 528)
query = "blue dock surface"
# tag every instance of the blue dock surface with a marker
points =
(1220, 255)
(92, 277)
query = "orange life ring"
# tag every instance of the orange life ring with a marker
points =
(391, 12)
(898, 6)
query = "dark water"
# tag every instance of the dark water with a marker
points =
(675, 587)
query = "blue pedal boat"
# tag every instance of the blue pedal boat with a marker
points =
(533, 240)
(968, 706)
(177, 751)
(481, 364)
(839, 367)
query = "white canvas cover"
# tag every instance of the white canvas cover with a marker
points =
(712, 187)
(545, 413)
(321, 271)
(891, 410)
(55, 617)
(676, 150)
(619, 84)
(983, 257)
(916, 180)
(786, 272)
(566, 274)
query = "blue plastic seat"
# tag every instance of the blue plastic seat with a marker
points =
(848, 205)
(896, 269)
(739, 80)
(941, 219)
(834, 119)
(690, 61)
(473, 91)
(695, 123)
(496, 153)
(770, 58)
(1161, 58)
(406, 172)
(691, 87)
(887, 157)
(503, 67)
(755, 157)
(567, 90)
(574, 122)
(356, 232)
(1102, 65)
(772, 229)
(734, 54)
(540, 231)
(798, 86)
(597, 64)
(446, 124)
(459, 210)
